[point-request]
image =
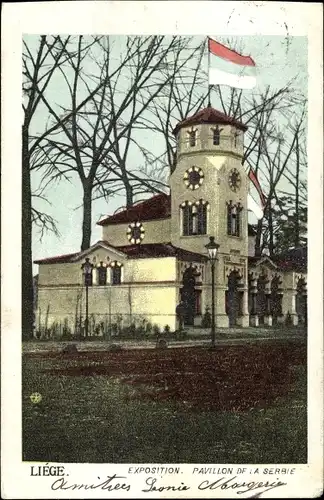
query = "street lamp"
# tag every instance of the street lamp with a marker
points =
(212, 248)
(87, 273)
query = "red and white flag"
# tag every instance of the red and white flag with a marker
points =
(255, 181)
(253, 206)
(227, 67)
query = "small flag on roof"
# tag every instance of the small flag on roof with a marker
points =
(228, 67)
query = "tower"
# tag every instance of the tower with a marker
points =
(209, 189)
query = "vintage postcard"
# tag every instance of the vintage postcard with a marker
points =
(162, 256)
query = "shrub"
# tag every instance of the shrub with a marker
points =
(99, 328)
(206, 321)
(115, 347)
(156, 330)
(288, 319)
(161, 344)
(140, 330)
(167, 329)
(148, 328)
(114, 329)
(181, 335)
(65, 336)
(66, 328)
(70, 349)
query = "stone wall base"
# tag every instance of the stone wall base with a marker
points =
(268, 320)
(222, 321)
(254, 320)
(243, 321)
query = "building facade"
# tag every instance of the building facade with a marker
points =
(153, 254)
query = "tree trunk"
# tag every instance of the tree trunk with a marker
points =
(129, 193)
(257, 246)
(87, 215)
(270, 226)
(27, 311)
(296, 229)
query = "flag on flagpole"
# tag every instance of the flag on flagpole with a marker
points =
(227, 67)
(254, 207)
(253, 178)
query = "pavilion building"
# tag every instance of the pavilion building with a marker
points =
(153, 254)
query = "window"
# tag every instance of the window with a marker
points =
(102, 275)
(186, 218)
(192, 138)
(194, 217)
(135, 232)
(116, 268)
(202, 218)
(216, 136)
(235, 134)
(198, 302)
(233, 219)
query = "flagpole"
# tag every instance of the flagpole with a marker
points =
(208, 67)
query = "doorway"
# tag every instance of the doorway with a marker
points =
(189, 295)
(262, 300)
(234, 298)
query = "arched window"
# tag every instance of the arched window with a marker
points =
(192, 137)
(116, 271)
(102, 274)
(234, 219)
(194, 217)
(194, 220)
(216, 136)
(275, 298)
(186, 218)
(202, 209)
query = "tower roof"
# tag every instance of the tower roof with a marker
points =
(157, 207)
(212, 116)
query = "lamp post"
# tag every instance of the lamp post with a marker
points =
(87, 273)
(212, 248)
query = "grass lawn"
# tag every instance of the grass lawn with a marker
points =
(234, 404)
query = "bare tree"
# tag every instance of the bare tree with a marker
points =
(40, 65)
(38, 70)
(273, 160)
(97, 139)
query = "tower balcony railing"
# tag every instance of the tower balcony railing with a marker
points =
(225, 143)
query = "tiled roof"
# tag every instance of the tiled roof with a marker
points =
(142, 251)
(291, 260)
(209, 115)
(153, 250)
(157, 207)
(294, 259)
(58, 259)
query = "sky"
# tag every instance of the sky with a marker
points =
(278, 59)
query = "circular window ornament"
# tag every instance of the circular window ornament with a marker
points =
(36, 397)
(135, 233)
(193, 177)
(234, 179)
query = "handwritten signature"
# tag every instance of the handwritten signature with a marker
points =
(241, 487)
(114, 482)
(108, 484)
